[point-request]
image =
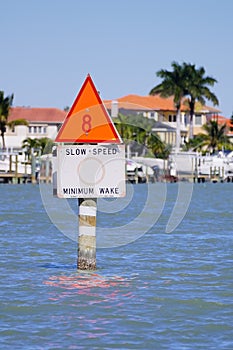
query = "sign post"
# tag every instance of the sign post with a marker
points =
(87, 234)
(90, 164)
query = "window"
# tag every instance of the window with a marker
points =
(172, 118)
(198, 119)
(37, 129)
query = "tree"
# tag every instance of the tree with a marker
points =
(31, 146)
(136, 131)
(158, 148)
(124, 127)
(45, 144)
(12, 124)
(195, 144)
(231, 122)
(173, 84)
(37, 146)
(215, 137)
(5, 105)
(197, 88)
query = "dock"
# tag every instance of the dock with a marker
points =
(15, 169)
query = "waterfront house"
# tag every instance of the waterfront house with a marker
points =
(42, 122)
(45, 122)
(163, 112)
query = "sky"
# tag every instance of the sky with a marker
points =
(49, 46)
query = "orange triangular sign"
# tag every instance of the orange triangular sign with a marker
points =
(88, 120)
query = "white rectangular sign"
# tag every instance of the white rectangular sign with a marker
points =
(91, 171)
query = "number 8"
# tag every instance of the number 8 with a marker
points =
(86, 125)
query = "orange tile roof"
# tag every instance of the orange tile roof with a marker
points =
(222, 120)
(156, 102)
(48, 115)
(134, 102)
(130, 102)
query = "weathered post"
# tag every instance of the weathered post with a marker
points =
(17, 179)
(10, 165)
(87, 234)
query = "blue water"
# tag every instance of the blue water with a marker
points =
(161, 291)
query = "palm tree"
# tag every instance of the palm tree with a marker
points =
(31, 145)
(12, 124)
(45, 144)
(197, 88)
(231, 122)
(36, 146)
(195, 144)
(173, 84)
(158, 148)
(215, 136)
(5, 105)
(136, 131)
(124, 127)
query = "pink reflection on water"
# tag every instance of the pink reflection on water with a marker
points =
(89, 284)
(85, 281)
(86, 292)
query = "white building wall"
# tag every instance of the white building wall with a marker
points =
(15, 139)
(51, 132)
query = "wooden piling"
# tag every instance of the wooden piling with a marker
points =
(33, 167)
(10, 165)
(87, 234)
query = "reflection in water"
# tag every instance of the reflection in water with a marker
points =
(93, 298)
(89, 284)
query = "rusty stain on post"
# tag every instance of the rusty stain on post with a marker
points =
(87, 234)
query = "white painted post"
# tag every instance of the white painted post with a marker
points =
(87, 234)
